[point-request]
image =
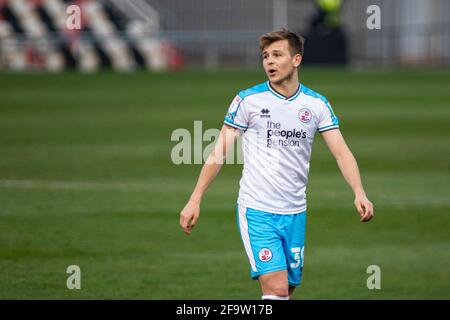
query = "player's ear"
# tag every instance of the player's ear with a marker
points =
(297, 60)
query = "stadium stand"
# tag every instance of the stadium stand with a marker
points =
(36, 35)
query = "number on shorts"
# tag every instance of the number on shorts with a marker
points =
(298, 256)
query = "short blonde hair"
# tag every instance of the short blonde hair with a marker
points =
(296, 41)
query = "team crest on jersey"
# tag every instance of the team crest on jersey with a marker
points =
(305, 115)
(265, 254)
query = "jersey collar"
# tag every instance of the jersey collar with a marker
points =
(279, 95)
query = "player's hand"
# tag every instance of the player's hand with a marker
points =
(189, 216)
(364, 207)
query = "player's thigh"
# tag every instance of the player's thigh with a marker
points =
(274, 283)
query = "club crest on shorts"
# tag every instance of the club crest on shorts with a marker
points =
(265, 254)
(305, 115)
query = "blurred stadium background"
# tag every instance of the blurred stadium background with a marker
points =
(86, 118)
(161, 35)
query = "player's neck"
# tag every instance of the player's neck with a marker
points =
(287, 88)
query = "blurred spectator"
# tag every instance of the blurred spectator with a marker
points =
(326, 41)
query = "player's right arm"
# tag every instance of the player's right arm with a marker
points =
(191, 212)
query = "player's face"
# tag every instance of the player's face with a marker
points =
(278, 62)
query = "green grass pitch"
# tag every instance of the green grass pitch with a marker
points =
(86, 179)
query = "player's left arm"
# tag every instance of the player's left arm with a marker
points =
(349, 168)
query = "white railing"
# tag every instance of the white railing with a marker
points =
(139, 10)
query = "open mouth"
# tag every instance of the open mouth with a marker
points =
(272, 72)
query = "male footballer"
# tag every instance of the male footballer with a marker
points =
(277, 120)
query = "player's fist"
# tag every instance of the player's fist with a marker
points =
(189, 216)
(364, 207)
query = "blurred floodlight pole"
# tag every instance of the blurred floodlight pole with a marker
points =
(280, 19)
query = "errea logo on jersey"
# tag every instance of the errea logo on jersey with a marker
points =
(265, 113)
(305, 115)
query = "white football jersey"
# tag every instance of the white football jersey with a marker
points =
(277, 143)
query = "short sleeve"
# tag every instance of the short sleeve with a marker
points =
(328, 119)
(237, 116)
